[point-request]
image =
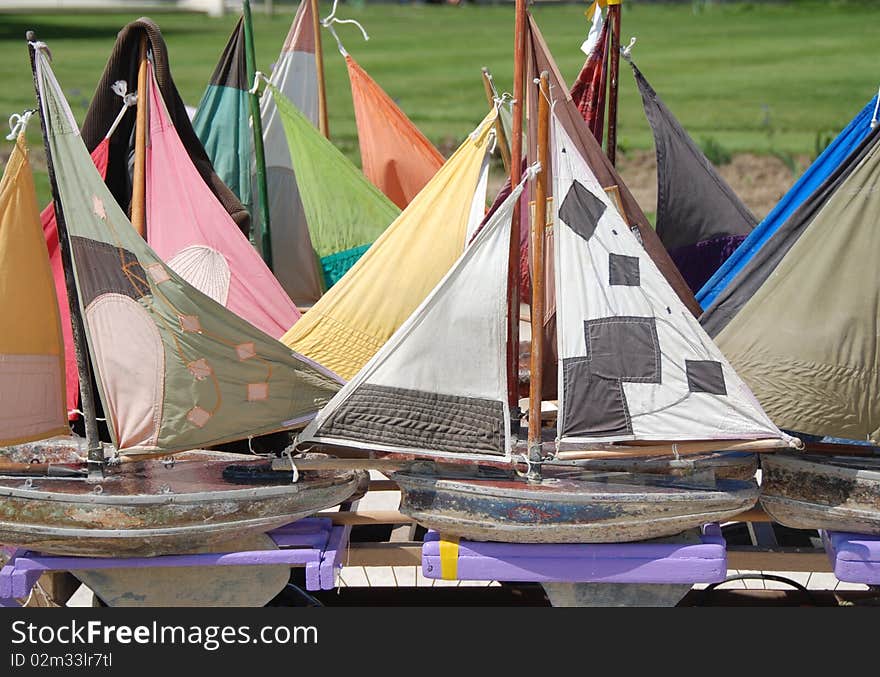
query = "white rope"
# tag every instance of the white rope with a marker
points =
(258, 75)
(873, 119)
(626, 52)
(77, 411)
(18, 123)
(39, 45)
(328, 21)
(531, 172)
(129, 99)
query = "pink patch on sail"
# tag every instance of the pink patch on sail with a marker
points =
(200, 369)
(257, 392)
(158, 273)
(245, 351)
(198, 416)
(183, 213)
(190, 323)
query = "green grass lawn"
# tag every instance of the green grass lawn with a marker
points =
(758, 78)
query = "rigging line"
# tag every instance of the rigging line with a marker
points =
(18, 123)
(626, 52)
(328, 21)
(873, 119)
(129, 99)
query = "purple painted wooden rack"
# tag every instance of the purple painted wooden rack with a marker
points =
(855, 558)
(312, 542)
(704, 562)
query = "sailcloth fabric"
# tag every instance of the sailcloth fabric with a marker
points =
(810, 182)
(588, 91)
(222, 120)
(196, 237)
(296, 76)
(175, 370)
(31, 346)
(100, 156)
(345, 212)
(395, 155)
(700, 220)
(439, 385)
(355, 318)
(634, 363)
(807, 340)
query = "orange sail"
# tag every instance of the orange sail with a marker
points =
(395, 155)
(31, 348)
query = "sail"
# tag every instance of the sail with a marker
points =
(189, 229)
(359, 314)
(31, 346)
(569, 116)
(222, 120)
(764, 263)
(50, 233)
(806, 339)
(395, 155)
(104, 107)
(700, 219)
(837, 152)
(588, 91)
(175, 370)
(439, 385)
(345, 212)
(295, 75)
(634, 363)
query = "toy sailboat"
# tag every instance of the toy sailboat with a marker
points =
(637, 377)
(175, 371)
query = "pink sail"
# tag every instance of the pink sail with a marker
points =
(192, 232)
(50, 231)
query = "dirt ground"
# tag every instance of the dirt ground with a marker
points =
(759, 180)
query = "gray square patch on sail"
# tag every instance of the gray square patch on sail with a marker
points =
(623, 270)
(705, 376)
(581, 210)
(624, 347)
(593, 406)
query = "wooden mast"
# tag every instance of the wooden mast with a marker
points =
(323, 123)
(257, 128)
(519, 57)
(138, 190)
(491, 95)
(536, 359)
(614, 69)
(83, 365)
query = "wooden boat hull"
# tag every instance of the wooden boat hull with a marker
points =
(156, 507)
(837, 493)
(569, 506)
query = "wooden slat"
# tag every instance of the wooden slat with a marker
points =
(777, 559)
(367, 517)
(384, 554)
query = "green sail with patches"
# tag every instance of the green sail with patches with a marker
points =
(175, 369)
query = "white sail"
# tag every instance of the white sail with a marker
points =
(634, 363)
(439, 385)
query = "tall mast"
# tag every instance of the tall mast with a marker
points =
(536, 359)
(83, 366)
(323, 123)
(614, 68)
(138, 190)
(257, 127)
(519, 58)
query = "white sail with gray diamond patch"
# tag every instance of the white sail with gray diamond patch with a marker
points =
(634, 364)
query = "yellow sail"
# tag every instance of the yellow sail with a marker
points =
(346, 327)
(31, 348)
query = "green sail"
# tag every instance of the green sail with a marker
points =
(175, 369)
(345, 212)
